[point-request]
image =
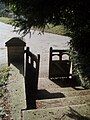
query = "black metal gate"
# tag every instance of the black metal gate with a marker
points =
(31, 78)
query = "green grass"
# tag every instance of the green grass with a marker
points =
(59, 29)
(6, 20)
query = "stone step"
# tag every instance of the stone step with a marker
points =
(60, 102)
(44, 94)
(76, 93)
(66, 89)
(45, 83)
(73, 112)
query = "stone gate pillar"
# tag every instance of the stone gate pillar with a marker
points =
(15, 50)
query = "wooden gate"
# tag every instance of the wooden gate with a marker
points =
(59, 67)
(31, 78)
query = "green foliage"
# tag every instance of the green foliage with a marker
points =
(4, 72)
(81, 68)
(74, 14)
(4, 75)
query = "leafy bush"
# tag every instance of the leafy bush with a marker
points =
(81, 68)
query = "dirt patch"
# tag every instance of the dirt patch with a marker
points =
(5, 113)
(5, 104)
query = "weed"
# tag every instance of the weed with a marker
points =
(4, 73)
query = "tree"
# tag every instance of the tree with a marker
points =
(74, 14)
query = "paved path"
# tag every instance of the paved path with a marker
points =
(39, 44)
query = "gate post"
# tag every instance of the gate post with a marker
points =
(15, 50)
(31, 79)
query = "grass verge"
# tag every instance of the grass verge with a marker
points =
(59, 29)
(6, 20)
(4, 106)
(4, 72)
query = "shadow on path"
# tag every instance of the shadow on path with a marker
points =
(44, 94)
(65, 82)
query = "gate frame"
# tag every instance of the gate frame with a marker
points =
(54, 52)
